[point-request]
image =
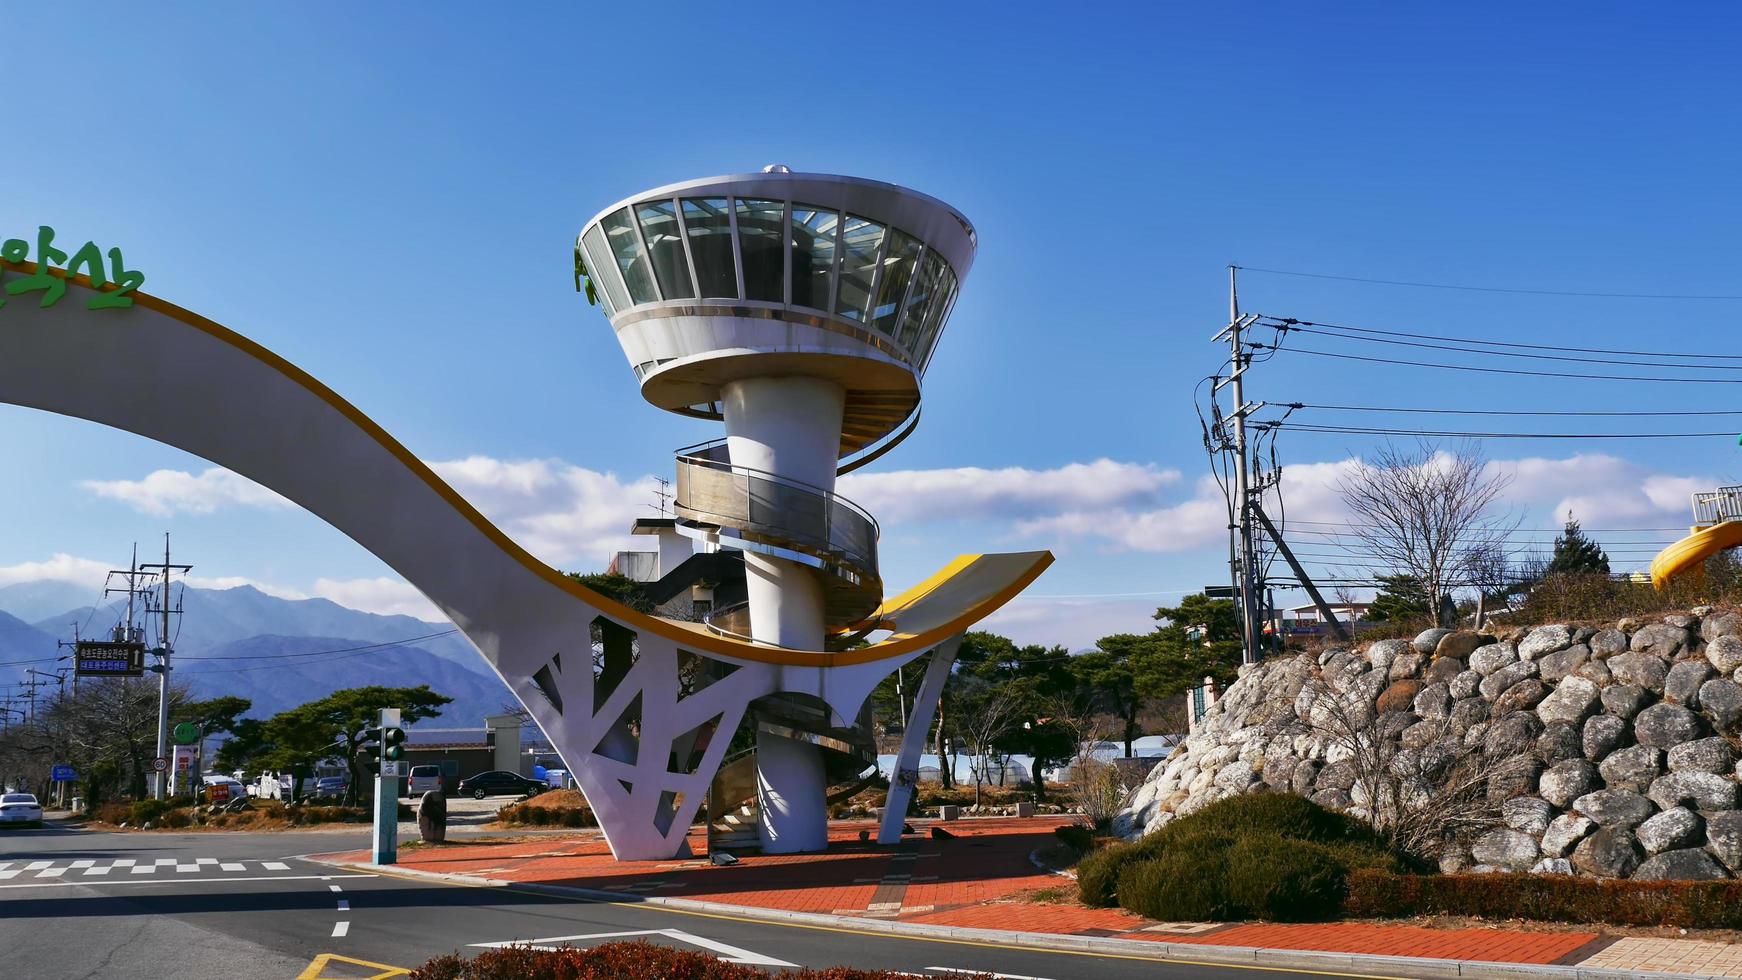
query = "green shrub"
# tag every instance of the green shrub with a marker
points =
(1548, 898)
(1270, 855)
(613, 961)
(143, 810)
(1282, 880)
(174, 819)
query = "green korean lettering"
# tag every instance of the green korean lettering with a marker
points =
(53, 287)
(127, 279)
(89, 258)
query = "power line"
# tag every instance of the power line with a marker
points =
(1455, 434)
(1399, 362)
(1288, 326)
(1528, 529)
(1481, 411)
(1488, 289)
(321, 653)
(1502, 343)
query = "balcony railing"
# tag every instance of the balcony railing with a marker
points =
(1718, 506)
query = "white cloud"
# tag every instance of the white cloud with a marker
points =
(60, 568)
(565, 514)
(1073, 623)
(1602, 490)
(164, 493)
(975, 493)
(384, 595)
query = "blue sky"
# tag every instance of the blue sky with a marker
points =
(388, 198)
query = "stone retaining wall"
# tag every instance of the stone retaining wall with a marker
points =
(1622, 742)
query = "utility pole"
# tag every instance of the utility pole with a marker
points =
(1245, 575)
(161, 780)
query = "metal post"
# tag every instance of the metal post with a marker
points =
(163, 778)
(1248, 565)
(385, 844)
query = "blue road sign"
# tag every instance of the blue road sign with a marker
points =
(63, 774)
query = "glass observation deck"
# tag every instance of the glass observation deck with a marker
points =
(705, 252)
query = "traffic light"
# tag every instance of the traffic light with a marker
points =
(391, 747)
(369, 744)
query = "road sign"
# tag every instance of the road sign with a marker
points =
(160, 765)
(1218, 592)
(390, 769)
(187, 733)
(96, 658)
(63, 774)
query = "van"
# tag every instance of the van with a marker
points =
(424, 779)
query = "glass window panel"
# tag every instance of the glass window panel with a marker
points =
(813, 254)
(897, 273)
(620, 232)
(760, 239)
(860, 240)
(660, 230)
(709, 224)
(603, 269)
(929, 337)
(919, 301)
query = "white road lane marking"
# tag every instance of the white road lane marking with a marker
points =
(728, 953)
(187, 867)
(233, 866)
(8, 874)
(143, 869)
(38, 865)
(51, 872)
(84, 864)
(63, 883)
(275, 866)
(166, 862)
(335, 888)
(340, 929)
(126, 863)
(100, 870)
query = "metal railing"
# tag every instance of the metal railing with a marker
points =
(775, 509)
(1716, 507)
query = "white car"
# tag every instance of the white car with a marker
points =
(16, 808)
(424, 779)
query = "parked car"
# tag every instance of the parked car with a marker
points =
(424, 779)
(499, 782)
(20, 808)
(330, 787)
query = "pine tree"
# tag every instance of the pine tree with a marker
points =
(1401, 598)
(1575, 553)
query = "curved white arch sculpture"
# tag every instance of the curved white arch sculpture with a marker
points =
(243, 407)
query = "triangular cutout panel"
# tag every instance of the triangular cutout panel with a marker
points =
(695, 672)
(546, 684)
(666, 811)
(628, 787)
(622, 741)
(615, 651)
(688, 749)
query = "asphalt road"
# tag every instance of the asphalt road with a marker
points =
(225, 905)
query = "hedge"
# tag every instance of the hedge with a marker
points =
(614, 961)
(547, 816)
(1548, 898)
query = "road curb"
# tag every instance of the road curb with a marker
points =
(1355, 964)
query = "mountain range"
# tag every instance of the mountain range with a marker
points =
(278, 653)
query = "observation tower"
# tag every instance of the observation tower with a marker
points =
(801, 311)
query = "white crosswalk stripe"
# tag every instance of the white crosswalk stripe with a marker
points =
(95, 868)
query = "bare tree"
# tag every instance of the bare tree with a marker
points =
(982, 721)
(1428, 513)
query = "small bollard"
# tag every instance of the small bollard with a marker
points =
(1025, 809)
(949, 812)
(432, 817)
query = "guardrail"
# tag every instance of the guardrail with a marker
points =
(1718, 506)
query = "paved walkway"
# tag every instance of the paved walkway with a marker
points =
(981, 877)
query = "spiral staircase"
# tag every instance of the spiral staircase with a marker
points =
(745, 509)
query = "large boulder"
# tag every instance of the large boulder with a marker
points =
(1407, 665)
(1643, 669)
(1434, 701)
(1558, 743)
(1725, 652)
(1721, 701)
(1400, 696)
(1724, 838)
(1527, 814)
(1486, 660)
(1609, 853)
(1682, 683)
(1460, 645)
(1554, 666)
(1565, 831)
(1427, 641)
(1688, 864)
(1383, 652)
(1704, 790)
(1544, 639)
(1632, 768)
(1616, 808)
(1625, 700)
(1506, 848)
(1712, 755)
(1521, 696)
(1604, 734)
(1660, 639)
(1466, 685)
(1674, 828)
(1607, 643)
(1666, 726)
(1507, 676)
(1573, 700)
(1597, 672)
(1567, 781)
(1719, 625)
(1442, 670)
(1511, 735)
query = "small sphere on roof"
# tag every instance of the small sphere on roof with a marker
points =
(777, 168)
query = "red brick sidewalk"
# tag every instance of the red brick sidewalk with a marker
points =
(980, 878)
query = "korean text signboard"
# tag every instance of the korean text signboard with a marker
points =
(95, 658)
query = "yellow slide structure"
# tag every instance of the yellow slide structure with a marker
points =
(1690, 553)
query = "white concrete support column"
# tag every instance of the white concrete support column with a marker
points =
(790, 427)
(913, 739)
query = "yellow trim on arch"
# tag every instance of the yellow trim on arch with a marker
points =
(683, 633)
